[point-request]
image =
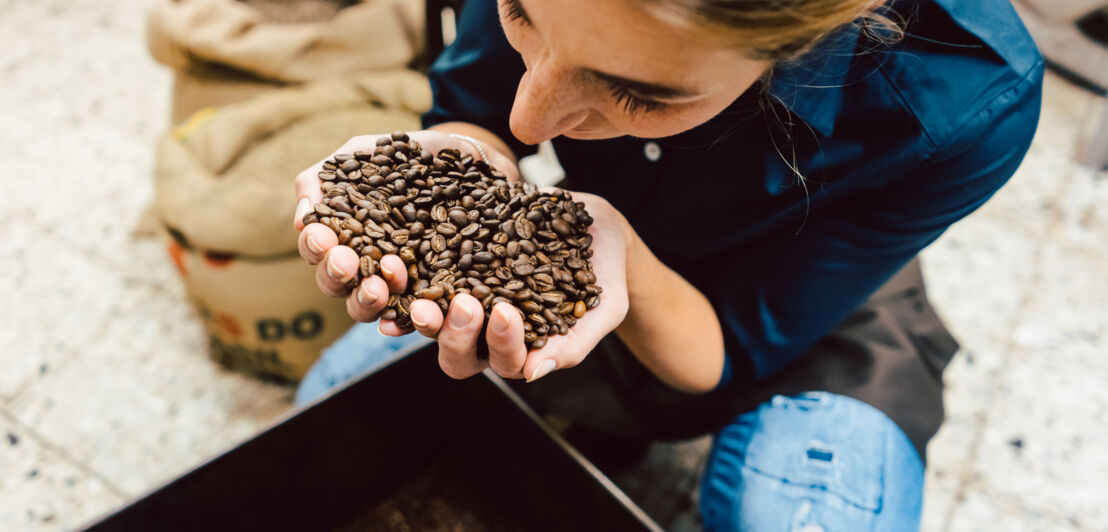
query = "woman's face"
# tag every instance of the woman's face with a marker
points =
(599, 69)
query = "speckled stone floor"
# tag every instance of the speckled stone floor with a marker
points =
(105, 389)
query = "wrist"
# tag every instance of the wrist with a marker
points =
(487, 139)
(641, 266)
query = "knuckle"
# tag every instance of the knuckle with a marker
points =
(454, 344)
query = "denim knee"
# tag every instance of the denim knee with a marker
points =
(812, 462)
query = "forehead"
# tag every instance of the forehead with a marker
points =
(623, 38)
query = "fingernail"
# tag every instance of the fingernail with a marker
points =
(302, 208)
(314, 246)
(416, 321)
(460, 317)
(499, 323)
(543, 370)
(366, 298)
(385, 271)
(333, 269)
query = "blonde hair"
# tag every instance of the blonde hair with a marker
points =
(778, 30)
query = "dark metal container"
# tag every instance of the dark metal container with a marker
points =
(323, 465)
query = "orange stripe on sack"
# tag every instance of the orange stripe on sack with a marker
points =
(177, 254)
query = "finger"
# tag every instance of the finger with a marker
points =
(507, 352)
(303, 207)
(426, 316)
(367, 302)
(504, 164)
(566, 351)
(337, 268)
(314, 241)
(395, 272)
(307, 185)
(458, 338)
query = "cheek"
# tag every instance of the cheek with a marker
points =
(523, 41)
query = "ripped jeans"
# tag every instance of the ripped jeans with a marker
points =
(814, 462)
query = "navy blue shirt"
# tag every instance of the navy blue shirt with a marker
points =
(895, 145)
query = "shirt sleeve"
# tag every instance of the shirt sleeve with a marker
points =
(775, 304)
(474, 80)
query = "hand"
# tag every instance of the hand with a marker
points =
(336, 265)
(458, 332)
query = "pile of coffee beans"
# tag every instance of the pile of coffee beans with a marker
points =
(461, 227)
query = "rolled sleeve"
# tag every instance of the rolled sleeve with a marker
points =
(474, 80)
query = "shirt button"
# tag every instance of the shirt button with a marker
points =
(652, 151)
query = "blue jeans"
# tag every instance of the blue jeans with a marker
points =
(812, 462)
(815, 462)
(361, 349)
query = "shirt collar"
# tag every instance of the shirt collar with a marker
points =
(811, 87)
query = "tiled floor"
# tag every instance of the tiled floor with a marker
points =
(105, 390)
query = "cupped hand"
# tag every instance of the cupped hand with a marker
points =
(337, 265)
(459, 331)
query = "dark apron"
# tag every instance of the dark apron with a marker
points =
(889, 353)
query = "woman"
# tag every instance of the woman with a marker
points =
(762, 176)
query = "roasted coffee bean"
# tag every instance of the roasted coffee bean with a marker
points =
(459, 216)
(553, 298)
(530, 307)
(431, 292)
(466, 262)
(400, 236)
(460, 227)
(469, 230)
(446, 229)
(353, 225)
(480, 291)
(523, 268)
(523, 229)
(407, 255)
(438, 243)
(367, 266)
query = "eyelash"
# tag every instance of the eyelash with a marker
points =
(632, 104)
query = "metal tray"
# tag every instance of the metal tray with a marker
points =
(324, 464)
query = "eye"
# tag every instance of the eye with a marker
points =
(632, 104)
(513, 11)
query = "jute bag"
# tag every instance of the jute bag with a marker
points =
(225, 51)
(223, 188)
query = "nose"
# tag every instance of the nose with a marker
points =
(548, 103)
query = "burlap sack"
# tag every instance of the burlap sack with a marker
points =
(262, 317)
(223, 188)
(224, 177)
(226, 51)
(224, 174)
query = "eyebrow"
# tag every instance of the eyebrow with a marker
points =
(643, 88)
